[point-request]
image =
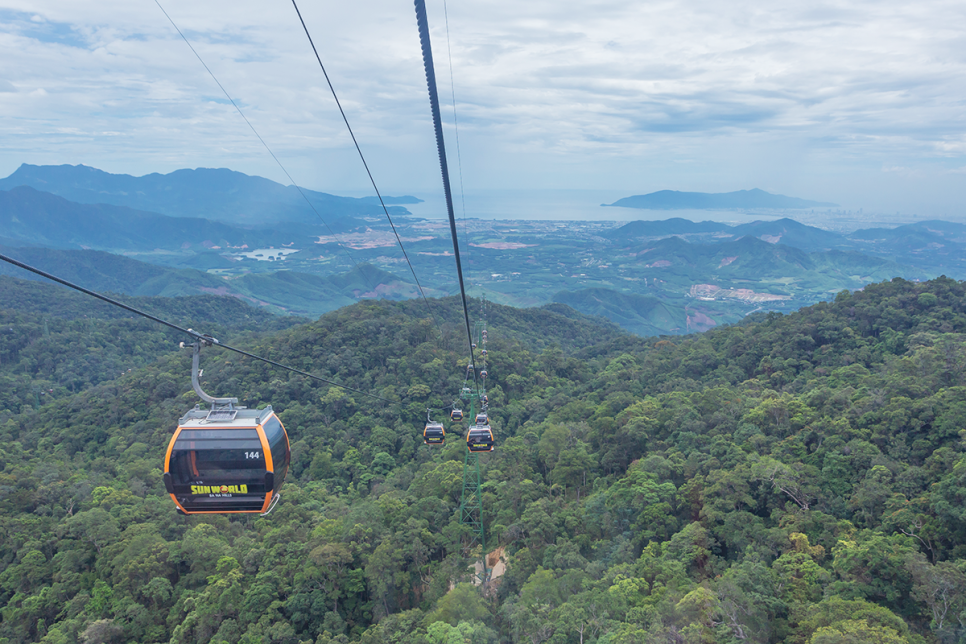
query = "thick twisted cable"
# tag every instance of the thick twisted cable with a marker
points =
(423, 23)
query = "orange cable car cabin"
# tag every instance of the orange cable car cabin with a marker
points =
(479, 438)
(226, 461)
(434, 434)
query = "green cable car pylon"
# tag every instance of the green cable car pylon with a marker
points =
(471, 508)
(471, 501)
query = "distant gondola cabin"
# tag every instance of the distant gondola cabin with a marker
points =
(434, 434)
(226, 461)
(479, 438)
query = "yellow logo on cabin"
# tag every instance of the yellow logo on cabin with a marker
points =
(216, 489)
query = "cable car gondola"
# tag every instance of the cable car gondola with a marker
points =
(227, 459)
(456, 415)
(434, 434)
(481, 418)
(479, 438)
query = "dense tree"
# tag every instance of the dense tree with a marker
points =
(792, 479)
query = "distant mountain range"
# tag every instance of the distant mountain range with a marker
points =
(750, 199)
(29, 217)
(214, 194)
(936, 247)
(651, 277)
(785, 231)
(750, 256)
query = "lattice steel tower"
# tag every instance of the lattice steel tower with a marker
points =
(471, 501)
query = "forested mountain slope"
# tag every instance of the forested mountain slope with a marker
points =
(283, 291)
(795, 478)
(31, 217)
(55, 342)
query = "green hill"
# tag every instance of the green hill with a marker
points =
(939, 246)
(101, 271)
(55, 342)
(665, 228)
(637, 313)
(27, 215)
(752, 263)
(787, 232)
(282, 291)
(792, 233)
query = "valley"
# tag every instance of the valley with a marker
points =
(698, 274)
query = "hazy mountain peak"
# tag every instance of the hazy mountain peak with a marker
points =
(211, 193)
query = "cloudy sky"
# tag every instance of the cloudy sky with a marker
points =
(858, 102)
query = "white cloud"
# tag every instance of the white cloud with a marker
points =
(601, 93)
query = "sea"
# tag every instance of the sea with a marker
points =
(586, 205)
(555, 205)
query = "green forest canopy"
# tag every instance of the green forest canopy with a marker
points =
(794, 478)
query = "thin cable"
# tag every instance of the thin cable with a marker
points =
(298, 371)
(366, 165)
(242, 114)
(423, 22)
(456, 122)
(199, 336)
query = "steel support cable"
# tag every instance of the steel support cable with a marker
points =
(423, 23)
(259, 136)
(365, 165)
(207, 339)
(456, 122)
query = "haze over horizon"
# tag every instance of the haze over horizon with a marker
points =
(858, 103)
(223, 188)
